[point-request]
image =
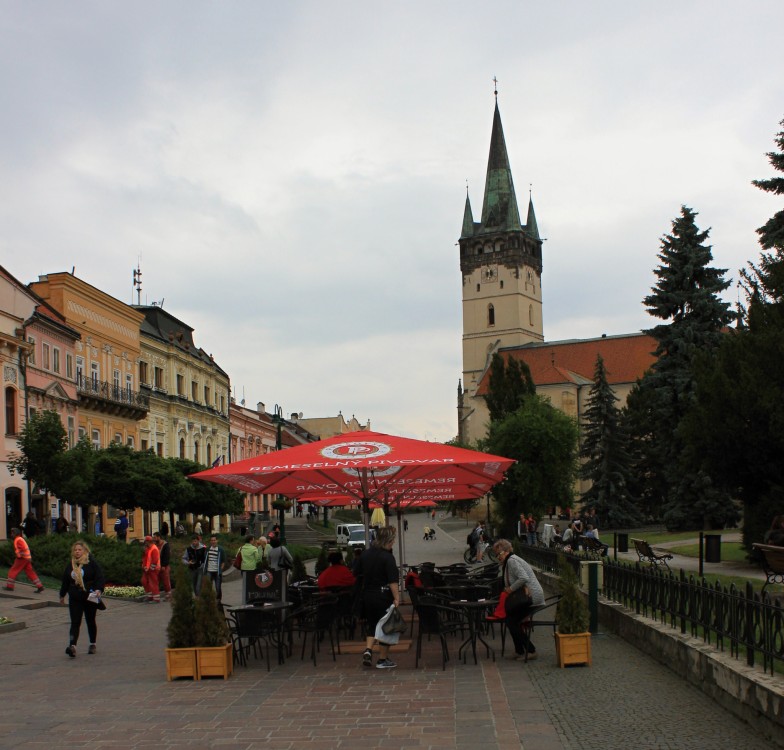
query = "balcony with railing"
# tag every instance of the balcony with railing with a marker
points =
(111, 398)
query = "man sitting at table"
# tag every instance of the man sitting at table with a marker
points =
(337, 574)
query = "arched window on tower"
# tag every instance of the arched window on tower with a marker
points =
(182, 447)
(490, 315)
(531, 315)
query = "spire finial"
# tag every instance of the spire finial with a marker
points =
(495, 88)
(530, 190)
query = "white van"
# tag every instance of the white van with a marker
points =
(350, 535)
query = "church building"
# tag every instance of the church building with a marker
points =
(501, 264)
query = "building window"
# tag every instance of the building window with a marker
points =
(69, 366)
(159, 450)
(159, 378)
(31, 355)
(196, 451)
(478, 287)
(209, 455)
(56, 360)
(194, 391)
(531, 314)
(128, 384)
(490, 315)
(118, 438)
(501, 283)
(96, 439)
(182, 447)
(180, 386)
(206, 394)
(143, 372)
(79, 370)
(95, 374)
(10, 411)
(116, 383)
(82, 432)
(71, 429)
(129, 441)
(222, 404)
(144, 444)
(45, 362)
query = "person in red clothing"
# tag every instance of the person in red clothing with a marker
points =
(151, 564)
(337, 574)
(23, 562)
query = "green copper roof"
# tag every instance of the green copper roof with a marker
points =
(530, 224)
(499, 212)
(468, 220)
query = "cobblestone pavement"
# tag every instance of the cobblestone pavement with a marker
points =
(119, 698)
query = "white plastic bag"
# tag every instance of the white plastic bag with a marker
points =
(388, 639)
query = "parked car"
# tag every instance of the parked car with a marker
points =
(350, 535)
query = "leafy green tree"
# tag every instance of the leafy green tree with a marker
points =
(509, 385)
(76, 485)
(204, 498)
(543, 441)
(686, 296)
(42, 443)
(607, 462)
(737, 426)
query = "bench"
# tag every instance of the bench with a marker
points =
(589, 544)
(646, 554)
(772, 561)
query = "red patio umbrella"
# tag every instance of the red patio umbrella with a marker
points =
(366, 466)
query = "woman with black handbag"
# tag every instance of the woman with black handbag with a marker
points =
(83, 582)
(523, 591)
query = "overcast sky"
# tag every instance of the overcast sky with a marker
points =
(291, 176)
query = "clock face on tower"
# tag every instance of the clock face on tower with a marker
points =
(489, 273)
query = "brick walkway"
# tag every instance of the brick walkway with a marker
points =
(120, 698)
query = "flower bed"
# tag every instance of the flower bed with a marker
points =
(123, 592)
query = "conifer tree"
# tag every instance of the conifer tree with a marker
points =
(737, 424)
(607, 463)
(209, 626)
(686, 297)
(509, 385)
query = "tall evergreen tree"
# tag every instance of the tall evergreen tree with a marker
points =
(686, 297)
(607, 463)
(509, 385)
(738, 423)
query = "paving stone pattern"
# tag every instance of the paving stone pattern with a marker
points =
(119, 698)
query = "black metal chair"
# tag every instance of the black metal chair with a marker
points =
(256, 631)
(437, 620)
(314, 619)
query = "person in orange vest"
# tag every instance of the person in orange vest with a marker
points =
(23, 562)
(151, 565)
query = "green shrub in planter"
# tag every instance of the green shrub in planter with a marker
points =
(181, 627)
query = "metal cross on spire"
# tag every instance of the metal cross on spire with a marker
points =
(495, 87)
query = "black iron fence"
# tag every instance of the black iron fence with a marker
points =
(735, 620)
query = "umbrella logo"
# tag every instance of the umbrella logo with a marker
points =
(264, 579)
(355, 449)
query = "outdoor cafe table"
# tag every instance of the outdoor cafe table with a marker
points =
(260, 616)
(475, 610)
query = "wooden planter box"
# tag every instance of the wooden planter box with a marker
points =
(181, 662)
(215, 662)
(574, 648)
(198, 662)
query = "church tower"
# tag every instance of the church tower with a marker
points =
(501, 265)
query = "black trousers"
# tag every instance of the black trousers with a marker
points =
(77, 608)
(514, 623)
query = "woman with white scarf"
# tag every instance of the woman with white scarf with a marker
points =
(82, 577)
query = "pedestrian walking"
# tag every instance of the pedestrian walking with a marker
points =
(164, 577)
(378, 573)
(193, 557)
(83, 582)
(151, 563)
(214, 562)
(23, 562)
(121, 526)
(31, 525)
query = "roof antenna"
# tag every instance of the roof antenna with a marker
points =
(137, 281)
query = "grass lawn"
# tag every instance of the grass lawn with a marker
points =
(657, 537)
(730, 551)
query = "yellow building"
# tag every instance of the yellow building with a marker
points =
(106, 365)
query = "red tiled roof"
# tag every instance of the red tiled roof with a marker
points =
(626, 358)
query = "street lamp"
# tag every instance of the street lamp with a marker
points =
(277, 420)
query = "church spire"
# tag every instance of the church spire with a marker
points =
(499, 212)
(468, 219)
(530, 223)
